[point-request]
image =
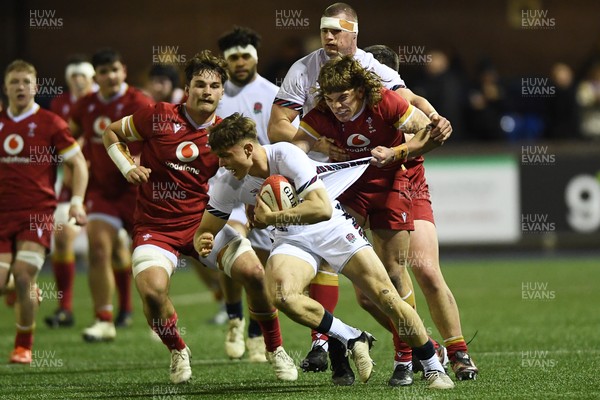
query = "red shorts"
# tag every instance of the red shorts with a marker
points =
(32, 226)
(419, 193)
(175, 239)
(121, 207)
(390, 209)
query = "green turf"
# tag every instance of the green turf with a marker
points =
(525, 348)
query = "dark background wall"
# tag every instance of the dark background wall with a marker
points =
(469, 28)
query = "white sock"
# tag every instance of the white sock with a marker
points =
(343, 332)
(432, 364)
(320, 342)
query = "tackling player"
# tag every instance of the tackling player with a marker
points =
(34, 142)
(423, 257)
(109, 198)
(316, 229)
(339, 33)
(173, 175)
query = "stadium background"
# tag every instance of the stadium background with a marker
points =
(513, 221)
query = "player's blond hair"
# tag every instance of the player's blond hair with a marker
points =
(20, 65)
(230, 131)
(345, 73)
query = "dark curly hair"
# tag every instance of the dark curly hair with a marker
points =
(240, 36)
(205, 61)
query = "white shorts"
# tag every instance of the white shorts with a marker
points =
(334, 241)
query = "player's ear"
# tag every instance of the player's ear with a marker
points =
(248, 149)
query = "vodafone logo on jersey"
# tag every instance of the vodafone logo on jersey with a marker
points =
(13, 144)
(100, 124)
(187, 151)
(357, 140)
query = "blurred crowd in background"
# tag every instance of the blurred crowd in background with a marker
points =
(482, 104)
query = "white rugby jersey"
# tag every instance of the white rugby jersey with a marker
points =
(290, 161)
(296, 91)
(253, 100)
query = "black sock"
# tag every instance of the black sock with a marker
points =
(234, 310)
(325, 324)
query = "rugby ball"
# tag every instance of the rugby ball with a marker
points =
(278, 193)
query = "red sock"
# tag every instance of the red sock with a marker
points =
(24, 338)
(324, 288)
(403, 352)
(455, 344)
(104, 315)
(64, 273)
(123, 283)
(269, 325)
(167, 332)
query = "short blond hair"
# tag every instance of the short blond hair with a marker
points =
(20, 65)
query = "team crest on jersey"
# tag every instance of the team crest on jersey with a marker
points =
(187, 151)
(100, 124)
(370, 123)
(351, 238)
(258, 107)
(357, 140)
(31, 126)
(13, 144)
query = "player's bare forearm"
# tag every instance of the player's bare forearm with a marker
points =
(442, 128)
(79, 171)
(315, 208)
(280, 128)
(303, 140)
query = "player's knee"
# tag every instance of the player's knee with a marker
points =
(99, 255)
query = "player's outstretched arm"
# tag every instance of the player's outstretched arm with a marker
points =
(79, 172)
(280, 128)
(442, 129)
(206, 232)
(114, 142)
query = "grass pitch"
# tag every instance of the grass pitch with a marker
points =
(537, 321)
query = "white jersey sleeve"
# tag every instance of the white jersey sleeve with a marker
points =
(290, 161)
(389, 78)
(224, 194)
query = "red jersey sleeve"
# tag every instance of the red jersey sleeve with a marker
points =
(62, 140)
(138, 126)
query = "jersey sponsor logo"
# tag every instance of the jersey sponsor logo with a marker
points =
(176, 127)
(100, 124)
(146, 237)
(404, 216)
(13, 144)
(357, 140)
(187, 151)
